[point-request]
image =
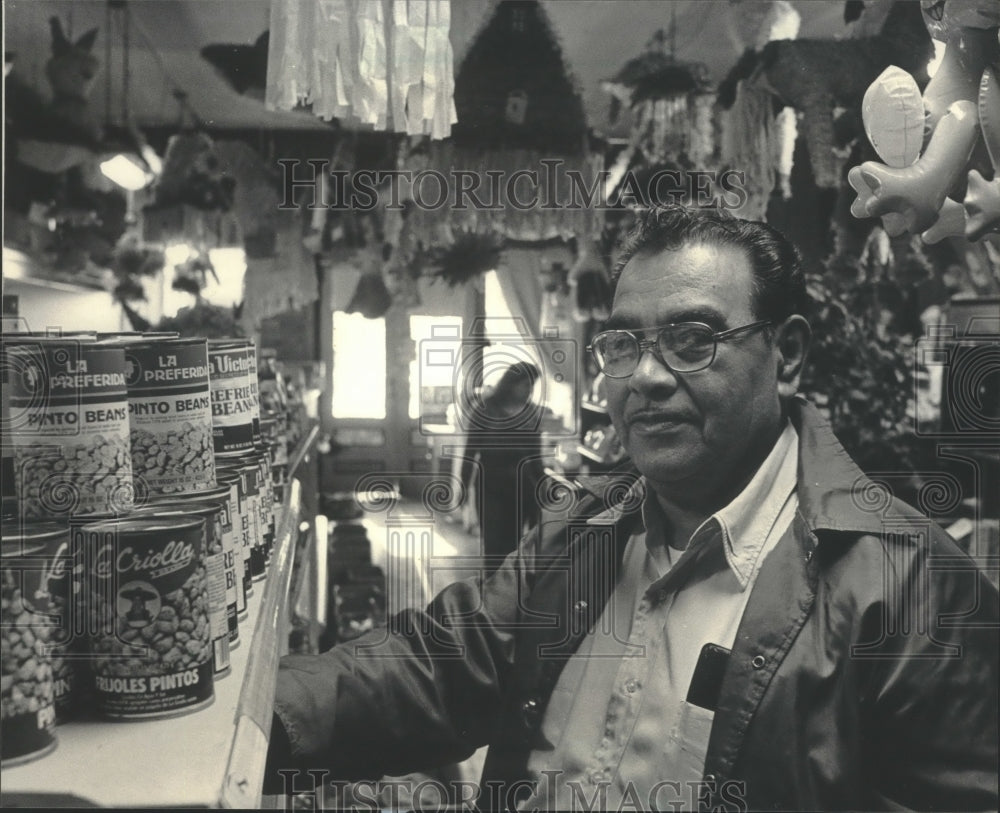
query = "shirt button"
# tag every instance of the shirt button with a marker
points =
(631, 685)
(580, 607)
(758, 661)
(710, 778)
(662, 595)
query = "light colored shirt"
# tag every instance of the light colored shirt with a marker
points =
(621, 731)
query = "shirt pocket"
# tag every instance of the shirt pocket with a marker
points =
(689, 742)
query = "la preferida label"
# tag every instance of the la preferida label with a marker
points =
(170, 410)
(69, 425)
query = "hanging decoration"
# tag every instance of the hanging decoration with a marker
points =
(63, 133)
(952, 187)
(470, 255)
(590, 285)
(344, 60)
(513, 90)
(670, 101)
(815, 77)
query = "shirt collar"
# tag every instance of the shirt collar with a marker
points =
(744, 524)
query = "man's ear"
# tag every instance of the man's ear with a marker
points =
(791, 341)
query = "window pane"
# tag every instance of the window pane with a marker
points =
(358, 366)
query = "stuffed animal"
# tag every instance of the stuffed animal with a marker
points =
(958, 119)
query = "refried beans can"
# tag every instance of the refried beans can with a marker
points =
(69, 427)
(215, 571)
(251, 346)
(231, 396)
(27, 701)
(242, 536)
(146, 594)
(170, 415)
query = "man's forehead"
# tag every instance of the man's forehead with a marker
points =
(695, 282)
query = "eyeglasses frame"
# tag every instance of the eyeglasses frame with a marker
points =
(653, 344)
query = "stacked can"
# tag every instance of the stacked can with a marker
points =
(146, 596)
(170, 414)
(27, 691)
(244, 530)
(215, 571)
(247, 470)
(68, 424)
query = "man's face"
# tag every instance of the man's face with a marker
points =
(695, 434)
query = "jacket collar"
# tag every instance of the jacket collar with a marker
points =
(833, 493)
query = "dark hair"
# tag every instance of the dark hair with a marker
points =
(779, 287)
(517, 372)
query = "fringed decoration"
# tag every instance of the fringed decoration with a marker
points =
(342, 58)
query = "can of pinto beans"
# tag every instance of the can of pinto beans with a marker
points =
(215, 570)
(27, 700)
(146, 594)
(69, 427)
(170, 414)
(232, 397)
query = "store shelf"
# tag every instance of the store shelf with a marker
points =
(210, 758)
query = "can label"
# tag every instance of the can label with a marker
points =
(27, 703)
(204, 506)
(170, 412)
(53, 599)
(254, 390)
(150, 634)
(69, 426)
(232, 399)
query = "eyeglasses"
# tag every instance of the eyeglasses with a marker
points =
(685, 347)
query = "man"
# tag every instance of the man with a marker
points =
(732, 629)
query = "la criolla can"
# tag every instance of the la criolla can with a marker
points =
(146, 593)
(170, 415)
(27, 697)
(233, 399)
(69, 427)
(226, 496)
(215, 570)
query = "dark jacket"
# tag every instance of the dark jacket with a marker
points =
(864, 674)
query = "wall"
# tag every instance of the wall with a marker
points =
(42, 306)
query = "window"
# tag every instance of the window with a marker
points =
(358, 367)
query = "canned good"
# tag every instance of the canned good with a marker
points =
(251, 346)
(170, 414)
(27, 699)
(215, 570)
(52, 595)
(231, 396)
(69, 427)
(251, 512)
(243, 535)
(146, 594)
